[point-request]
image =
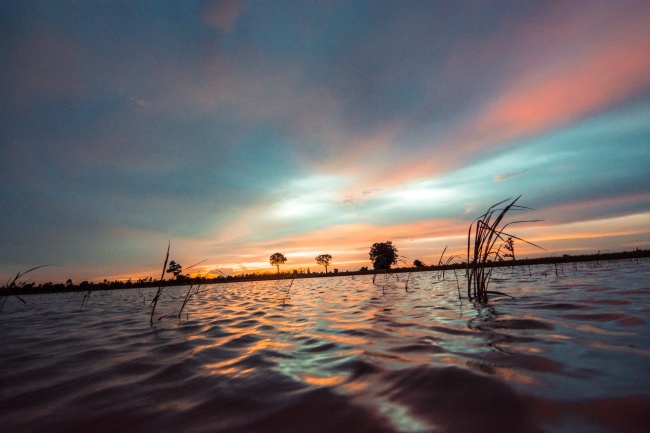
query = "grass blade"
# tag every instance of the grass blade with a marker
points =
(154, 302)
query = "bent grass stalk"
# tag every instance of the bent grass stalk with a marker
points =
(191, 293)
(440, 263)
(445, 263)
(489, 239)
(85, 299)
(188, 295)
(154, 302)
(408, 275)
(286, 297)
(11, 284)
(457, 286)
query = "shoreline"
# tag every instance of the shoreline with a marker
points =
(33, 289)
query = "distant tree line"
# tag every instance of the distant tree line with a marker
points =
(382, 254)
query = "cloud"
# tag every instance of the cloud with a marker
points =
(352, 198)
(627, 231)
(508, 175)
(600, 65)
(222, 14)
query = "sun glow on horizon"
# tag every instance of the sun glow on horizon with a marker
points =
(401, 133)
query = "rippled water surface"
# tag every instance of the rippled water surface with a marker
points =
(571, 353)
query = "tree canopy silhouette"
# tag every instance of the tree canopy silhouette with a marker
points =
(383, 255)
(509, 245)
(277, 259)
(418, 263)
(175, 268)
(324, 260)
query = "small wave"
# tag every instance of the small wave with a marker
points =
(345, 356)
(447, 396)
(520, 324)
(595, 317)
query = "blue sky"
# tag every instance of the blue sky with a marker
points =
(235, 129)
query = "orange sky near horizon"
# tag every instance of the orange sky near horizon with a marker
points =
(351, 253)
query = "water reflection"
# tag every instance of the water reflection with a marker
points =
(331, 354)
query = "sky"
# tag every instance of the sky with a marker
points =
(236, 129)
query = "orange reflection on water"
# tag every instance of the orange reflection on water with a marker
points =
(356, 386)
(322, 381)
(344, 339)
(230, 366)
(513, 375)
(220, 367)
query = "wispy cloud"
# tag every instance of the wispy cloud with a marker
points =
(508, 175)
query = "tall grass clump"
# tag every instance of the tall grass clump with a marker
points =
(489, 240)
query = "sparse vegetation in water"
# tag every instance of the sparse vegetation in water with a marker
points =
(442, 263)
(193, 290)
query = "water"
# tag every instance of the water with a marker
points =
(570, 354)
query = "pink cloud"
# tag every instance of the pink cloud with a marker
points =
(593, 62)
(556, 68)
(605, 78)
(588, 236)
(579, 210)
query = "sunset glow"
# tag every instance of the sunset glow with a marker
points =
(238, 129)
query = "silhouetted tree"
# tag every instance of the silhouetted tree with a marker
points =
(509, 245)
(324, 260)
(418, 264)
(383, 255)
(277, 259)
(175, 268)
